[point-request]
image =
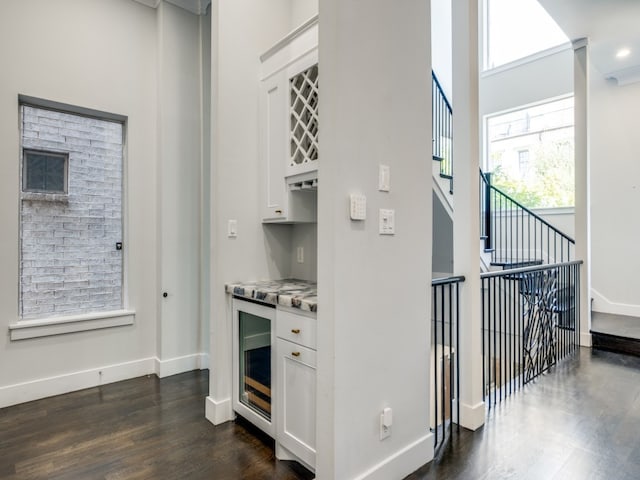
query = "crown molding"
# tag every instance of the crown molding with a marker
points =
(197, 7)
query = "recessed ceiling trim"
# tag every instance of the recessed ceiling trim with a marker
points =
(197, 7)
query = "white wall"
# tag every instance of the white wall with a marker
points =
(102, 56)
(373, 337)
(179, 173)
(306, 236)
(241, 31)
(531, 82)
(302, 10)
(615, 194)
(442, 239)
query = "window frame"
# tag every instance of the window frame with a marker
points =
(63, 155)
(486, 141)
(22, 328)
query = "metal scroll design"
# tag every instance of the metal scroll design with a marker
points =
(539, 292)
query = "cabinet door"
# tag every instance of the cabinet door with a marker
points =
(296, 421)
(273, 138)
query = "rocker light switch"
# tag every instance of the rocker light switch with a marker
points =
(384, 178)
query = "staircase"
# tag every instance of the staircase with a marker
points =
(530, 280)
(512, 236)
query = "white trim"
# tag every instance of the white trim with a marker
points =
(604, 305)
(70, 382)
(554, 211)
(44, 327)
(186, 363)
(585, 340)
(218, 412)
(472, 416)
(579, 43)
(403, 462)
(526, 60)
(290, 37)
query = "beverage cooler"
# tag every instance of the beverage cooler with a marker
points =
(252, 362)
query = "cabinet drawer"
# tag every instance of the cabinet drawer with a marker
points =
(297, 353)
(296, 328)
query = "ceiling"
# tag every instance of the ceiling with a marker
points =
(609, 25)
(198, 7)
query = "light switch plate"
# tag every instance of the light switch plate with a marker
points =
(232, 228)
(387, 222)
(358, 206)
(384, 178)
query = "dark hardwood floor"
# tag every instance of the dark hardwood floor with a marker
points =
(143, 428)
(581, 421)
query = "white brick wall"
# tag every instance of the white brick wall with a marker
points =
(69, 262)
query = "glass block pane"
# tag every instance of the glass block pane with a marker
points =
(44, 172)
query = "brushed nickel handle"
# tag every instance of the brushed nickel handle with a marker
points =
(295, 354)
(295, 330)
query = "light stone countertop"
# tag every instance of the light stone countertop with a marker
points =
(289, 292)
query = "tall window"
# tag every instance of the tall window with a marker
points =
(515, 29)
(70, 214)
(530, 152)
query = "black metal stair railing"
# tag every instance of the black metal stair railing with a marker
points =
(444, 356)
(442, 130)
(516, 236)
(530, 321)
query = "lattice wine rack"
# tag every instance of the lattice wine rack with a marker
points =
(304, 119)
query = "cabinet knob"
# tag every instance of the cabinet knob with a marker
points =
(295, 354)
(295, 330)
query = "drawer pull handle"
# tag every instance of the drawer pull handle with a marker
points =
(295, 354)
(279, 212)
(295, 330)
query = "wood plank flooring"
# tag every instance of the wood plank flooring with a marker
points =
(143, 428)
(581, 421)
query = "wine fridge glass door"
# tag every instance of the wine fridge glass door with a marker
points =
(255, 363)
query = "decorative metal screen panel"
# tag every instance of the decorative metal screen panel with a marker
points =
(304, 117)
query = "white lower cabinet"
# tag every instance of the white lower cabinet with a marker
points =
(296, 419)
(295, 361)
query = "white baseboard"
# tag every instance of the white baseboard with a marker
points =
(585, 340)
(403, 462)
(47, 387)
(70, 382)
(604, 305)
(173, 366)
(218, 412)
(472, 416)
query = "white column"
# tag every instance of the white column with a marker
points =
(466, 223)
(582, 182)
(374, 290)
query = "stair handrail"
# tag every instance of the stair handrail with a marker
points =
(488, 217)
(442, 117)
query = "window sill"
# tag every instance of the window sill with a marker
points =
(46, 197)
(45, 327)
(526, 60)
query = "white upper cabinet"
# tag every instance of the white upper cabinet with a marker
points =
(289, 127)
